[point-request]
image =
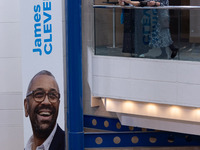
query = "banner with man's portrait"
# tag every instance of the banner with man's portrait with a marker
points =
(42, 48)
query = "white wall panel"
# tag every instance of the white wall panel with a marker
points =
(10, 40)
(137, 90)
(9, 10)
(111, 87)
(188, 95)
(152, 91)
(135, 68)
(11, 117)
(188, 72)
(109, 66)
(148, 80)
(153, 70)
(11, 138)
(10, 76)
(11, 101)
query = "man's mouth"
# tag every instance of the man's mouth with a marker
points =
(43, 113)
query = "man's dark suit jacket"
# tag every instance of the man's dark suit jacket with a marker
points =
(58, 142)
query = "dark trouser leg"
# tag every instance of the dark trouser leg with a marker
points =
(174, 50)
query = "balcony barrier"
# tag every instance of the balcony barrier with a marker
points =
(148, 32)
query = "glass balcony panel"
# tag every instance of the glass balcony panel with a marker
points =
(148, 33)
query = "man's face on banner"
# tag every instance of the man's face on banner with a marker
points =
(42, 105)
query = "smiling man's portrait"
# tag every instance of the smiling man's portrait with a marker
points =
(41, 106)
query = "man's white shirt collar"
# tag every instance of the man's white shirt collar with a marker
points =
(45, 145)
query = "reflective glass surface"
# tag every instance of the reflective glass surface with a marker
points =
(170, 33)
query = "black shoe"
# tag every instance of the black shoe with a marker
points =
(174, 51)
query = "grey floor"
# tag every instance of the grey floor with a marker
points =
(187, 52)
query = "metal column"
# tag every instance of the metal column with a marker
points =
(75, 135)
(114, 28)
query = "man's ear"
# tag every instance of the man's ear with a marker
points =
(26, 107)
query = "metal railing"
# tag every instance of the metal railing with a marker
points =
(134, 7)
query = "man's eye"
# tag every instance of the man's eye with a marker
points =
(39, 94)
(52, 95)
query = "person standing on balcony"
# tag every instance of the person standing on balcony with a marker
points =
(160, 32)
(160, 36)
(130, 21)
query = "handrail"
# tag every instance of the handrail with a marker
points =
(134, 7)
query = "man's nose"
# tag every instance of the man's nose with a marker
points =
(46, 100)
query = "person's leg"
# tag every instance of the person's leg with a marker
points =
(163, 53)
(128, 26)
